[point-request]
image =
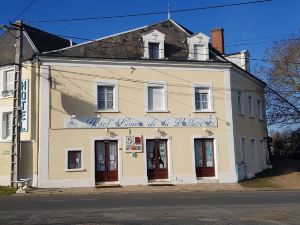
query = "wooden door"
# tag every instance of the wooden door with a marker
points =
(106, 161)
(157, 159)
(204, 157)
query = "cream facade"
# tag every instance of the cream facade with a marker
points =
(129, 122)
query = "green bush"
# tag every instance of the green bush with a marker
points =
(7, 190)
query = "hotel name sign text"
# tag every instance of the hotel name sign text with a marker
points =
(128, 122)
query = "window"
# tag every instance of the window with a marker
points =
(250, 111)
(156, 97)
(199, 52)
(243, 149)
(259, 110)
(198, 47)
(153, 44)
(74, 157)
(253, 149)
(107, 96)
(8, 82)
(6, 125)
(240, 103)
(153, 50)
(202, 98)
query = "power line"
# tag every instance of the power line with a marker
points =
(266, 90)
(179, 85)
(82, 14)
(24, 10)
(139, 46)
(149, 13)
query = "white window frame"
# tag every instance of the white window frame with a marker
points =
(210, 96)
(198, 39)
(2, 111)
(260, 114)
(71, 149)
(251, 107)
(113, 83)
(243, 150)
(253, 149)
(154, 36)
(3, 83)
(162, 84)
(240, 94)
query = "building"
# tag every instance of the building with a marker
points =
(153, 104)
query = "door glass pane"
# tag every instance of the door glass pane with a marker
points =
(209, 154)
(198, 153)
(150, 155)
(100, 157)
(112, 156)
(162, 157)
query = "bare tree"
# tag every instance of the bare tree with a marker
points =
(282, 73)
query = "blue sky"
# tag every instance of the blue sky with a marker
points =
(261, 23)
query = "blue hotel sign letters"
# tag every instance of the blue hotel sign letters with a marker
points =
(24, 105)
(128, 122)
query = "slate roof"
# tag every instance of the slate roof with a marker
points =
(34, 41)
(129, 45)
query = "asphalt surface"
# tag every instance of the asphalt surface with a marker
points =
(211, 208)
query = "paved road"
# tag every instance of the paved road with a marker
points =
(213, 208)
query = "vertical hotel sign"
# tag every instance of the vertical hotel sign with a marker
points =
(24, 105)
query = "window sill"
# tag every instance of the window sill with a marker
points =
(6, 97)
(75, 170)
(7, 140)
(241, 114)
(107, 111)
(204, 111)
(251, 117)
(158, 111)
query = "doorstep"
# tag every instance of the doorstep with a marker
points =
(207, 180)
(160, 182)
(107, 184)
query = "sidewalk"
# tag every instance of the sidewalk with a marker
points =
(138, 189)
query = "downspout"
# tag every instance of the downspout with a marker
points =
(38, 120)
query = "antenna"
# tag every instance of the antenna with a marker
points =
(169, 10)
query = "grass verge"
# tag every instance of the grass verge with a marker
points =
(7, 190)
(262, 180)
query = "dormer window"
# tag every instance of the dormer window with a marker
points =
(198, 47)
(153, 50)
(154, 45)
(199, 52)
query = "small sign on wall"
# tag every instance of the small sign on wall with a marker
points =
(134, 143)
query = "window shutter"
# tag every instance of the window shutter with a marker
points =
(10, 80)
(1, 82)
(4, 125)
(9, 124)
(156, 98)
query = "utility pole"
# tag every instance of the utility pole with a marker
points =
(16, 116)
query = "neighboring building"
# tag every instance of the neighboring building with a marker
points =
(154, 104)
(35, 42)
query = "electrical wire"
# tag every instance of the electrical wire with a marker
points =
(139, 46)
(24, 10)
(149, 13)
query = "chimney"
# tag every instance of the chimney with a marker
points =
(217, 39)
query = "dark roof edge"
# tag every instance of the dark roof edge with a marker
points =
(188, 62)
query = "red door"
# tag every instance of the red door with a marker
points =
(204, 157)
(157, 159)
(106, 161)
